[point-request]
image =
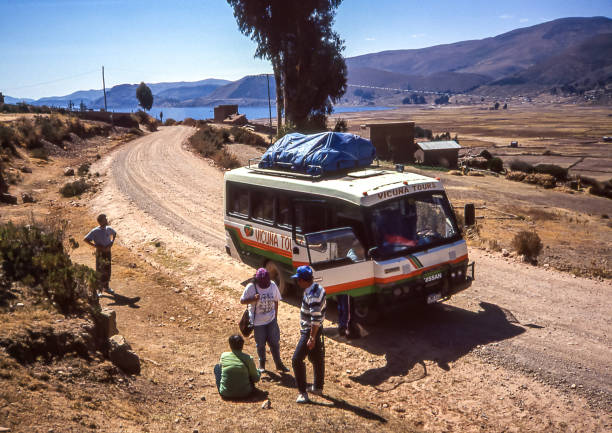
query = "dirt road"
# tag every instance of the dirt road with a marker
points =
(544, 330)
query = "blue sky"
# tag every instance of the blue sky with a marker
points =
(54, 47)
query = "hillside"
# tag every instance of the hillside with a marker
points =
(496, 57)
(583, 66)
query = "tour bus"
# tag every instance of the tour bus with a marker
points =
(382, 236)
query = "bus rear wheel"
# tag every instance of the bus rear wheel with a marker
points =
(278, 277)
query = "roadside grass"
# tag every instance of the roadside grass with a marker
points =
(71, 189)
(210, 143)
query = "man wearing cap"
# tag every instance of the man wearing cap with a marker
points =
(263, 295)
(310, 344)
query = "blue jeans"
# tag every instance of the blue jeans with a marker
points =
(268, 333)
(317, 358)
(344, 311)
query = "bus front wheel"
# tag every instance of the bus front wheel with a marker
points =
(366, 313)
(278, 277)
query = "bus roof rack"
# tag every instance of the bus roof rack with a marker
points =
(284, 169)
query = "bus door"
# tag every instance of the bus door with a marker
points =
(339, 261)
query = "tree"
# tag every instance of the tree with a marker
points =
(297, 38)
(1, 98)
(145, 96)
(441, 100)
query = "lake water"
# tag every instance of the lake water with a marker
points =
(180, 113)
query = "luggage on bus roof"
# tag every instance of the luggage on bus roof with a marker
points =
(317, 154)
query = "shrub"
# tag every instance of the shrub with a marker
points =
(520, 165)
(169, 122)
(517, 176)
(527, 243)
(36, 257)
(83, 169)
(545, 180)
(340, 126)
(51, 128)
(225, 159)
(422, 133)
(245, 136)
(207, 140)
(27, 134)
(496, 165)
(77, 187)
(559, 173)
(8, 137)
(485, 154)
(189, 121)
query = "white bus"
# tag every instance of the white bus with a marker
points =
(384, 237)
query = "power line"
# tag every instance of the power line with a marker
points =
(51, 81)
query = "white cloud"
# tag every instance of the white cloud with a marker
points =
(523, 20)
(370, 39)
(506, 16)
(418, 35)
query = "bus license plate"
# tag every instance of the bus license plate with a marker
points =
(432, 277)
(433, 298)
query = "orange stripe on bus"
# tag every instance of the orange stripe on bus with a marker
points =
(369, 281)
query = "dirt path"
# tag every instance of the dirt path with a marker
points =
(484, 360)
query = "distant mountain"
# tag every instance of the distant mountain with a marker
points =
(496, 57)
(158, 88)
(11, 100)
(124, 95)
(249, 90)
(187, 92)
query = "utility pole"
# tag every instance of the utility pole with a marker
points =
(104, 88)
(269, 103)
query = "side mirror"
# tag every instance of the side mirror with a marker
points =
(469, 213)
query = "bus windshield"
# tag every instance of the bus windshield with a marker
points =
(411, 223)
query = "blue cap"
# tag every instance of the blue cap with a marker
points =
(303, 273)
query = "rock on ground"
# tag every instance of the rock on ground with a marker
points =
(122, 356)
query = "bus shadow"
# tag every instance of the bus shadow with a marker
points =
(439, 335)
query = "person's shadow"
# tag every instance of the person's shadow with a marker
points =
(120, 300)
(440, 334)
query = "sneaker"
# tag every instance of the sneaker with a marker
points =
(302, 398)
(109, 291)
(282, 368)
(98, 294)
(315, 391)
(261, 370)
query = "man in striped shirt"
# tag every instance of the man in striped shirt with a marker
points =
(310, 344)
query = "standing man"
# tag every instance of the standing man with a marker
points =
(102, 239)
(310, 344)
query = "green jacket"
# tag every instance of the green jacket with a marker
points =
(235, 381)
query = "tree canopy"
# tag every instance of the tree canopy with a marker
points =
(305, 52)
(145, 96)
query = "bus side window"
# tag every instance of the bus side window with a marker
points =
(262, 206)
(238, 200)
(283, 215)
(310, 217)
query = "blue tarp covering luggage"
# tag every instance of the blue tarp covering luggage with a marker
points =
(317, 154)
